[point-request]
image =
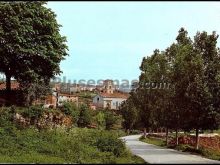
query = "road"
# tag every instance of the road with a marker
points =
(155, 154)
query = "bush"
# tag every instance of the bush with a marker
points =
(110, 119)
(58, 145)
(78, 145)
(33, 112)
(100, 120)
(85, 117)
(135, 132)
(106, 143)
(72, 110)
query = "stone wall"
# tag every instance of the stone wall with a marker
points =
(47, 120)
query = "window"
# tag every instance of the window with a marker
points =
(98, 99)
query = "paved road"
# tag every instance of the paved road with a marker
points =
(155, 154)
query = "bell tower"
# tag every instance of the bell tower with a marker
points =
(108, 86)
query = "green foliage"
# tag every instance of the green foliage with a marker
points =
(154, 141)
(100, 120)
(107, 143)
(6, 116)
(107, 119)
(84, 116)
(62, 146)
(72, 110)
(191, 101)
(31, 46)
(34, 112)
(110, 119)
(211, 154)
(129, 113)
(208, 153)
(135, 132)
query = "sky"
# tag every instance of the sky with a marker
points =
(108, 40)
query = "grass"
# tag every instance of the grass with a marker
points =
(217, 131)
(151, 140)
(207, 153)
(76, 145)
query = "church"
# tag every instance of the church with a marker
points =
(109, 98)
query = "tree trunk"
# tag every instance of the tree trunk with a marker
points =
(197, 138)
(177, 142)
(128, 131)
(167, 136)
(8, 82)
(145, 132)
(8, 89)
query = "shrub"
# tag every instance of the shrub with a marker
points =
(100, 120)
(6, 117)
(33, 112)
(72, 110)
(135, 132)
(106, 143)
(110, 119)
(85, 117)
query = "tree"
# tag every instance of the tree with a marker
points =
(31, 47)
(100, 120)
(191, 65)
(204, 92)
(129, 114)
(84, 116)
(192, 100)
(110, 119)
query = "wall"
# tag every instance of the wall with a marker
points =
(98, 103)
(114, 102)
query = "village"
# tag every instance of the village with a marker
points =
(170, 113)
(103, 96)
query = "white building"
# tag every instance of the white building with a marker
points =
(67, 98)
(109, 98)
(111, 101)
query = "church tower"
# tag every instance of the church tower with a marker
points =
(108, 86)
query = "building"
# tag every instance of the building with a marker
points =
(51, 99)
(67, 98)
(108, 86)
(57, 99)
(111, 101)
(109, 98)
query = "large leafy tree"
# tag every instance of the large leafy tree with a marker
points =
(129, 113)
(192, 100)
(31, 46)
(178, 54)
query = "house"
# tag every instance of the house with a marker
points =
(67, 98)
(56, 98)
(74, 88)
(109, 98)
(51, 99)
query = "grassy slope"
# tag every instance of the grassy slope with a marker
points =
(77, 145)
